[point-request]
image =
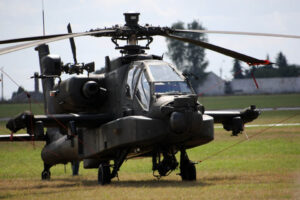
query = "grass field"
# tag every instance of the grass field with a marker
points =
(220, 102)
(266, 166)
(10, 110)
(261, 101)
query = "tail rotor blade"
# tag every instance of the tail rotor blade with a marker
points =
(72, 42)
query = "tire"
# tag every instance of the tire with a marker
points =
(188, 172)
(46, 175)
(75, 168)
(104, 174)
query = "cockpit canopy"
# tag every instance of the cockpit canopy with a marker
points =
(167, 80)
(154, 77)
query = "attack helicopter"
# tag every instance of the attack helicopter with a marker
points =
(140, 106)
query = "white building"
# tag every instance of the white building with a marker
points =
(266, 85)
(212, 86)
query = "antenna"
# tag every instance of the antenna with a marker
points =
(2, 85)
(221, 68)
(43, 17)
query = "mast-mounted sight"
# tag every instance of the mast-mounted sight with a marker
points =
(132, 18)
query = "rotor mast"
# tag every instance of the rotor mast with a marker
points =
(132, 34)
(132, 47)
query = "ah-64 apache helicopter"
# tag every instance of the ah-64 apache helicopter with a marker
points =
(141, 106)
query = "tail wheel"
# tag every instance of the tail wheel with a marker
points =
(104, 175)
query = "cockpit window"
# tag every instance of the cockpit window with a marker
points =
(143, 92)
(133, 74)
(172, 87)
(145, 86)
(164, 73)
(129, 81)
(166, 80)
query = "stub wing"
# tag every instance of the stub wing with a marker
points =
(234, 120)
(19, 138)
(35, 124)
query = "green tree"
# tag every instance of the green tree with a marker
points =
(189, 58)
(284, 69)
(281, 61)
(237, 69)
(266, 71)
(282, 64)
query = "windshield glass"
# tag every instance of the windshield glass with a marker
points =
(133, 75)
(163, 73)
(166, 80)
(172, 87)
(143, 92)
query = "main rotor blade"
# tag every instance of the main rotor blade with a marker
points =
(72, 42)
(30, 38)
(249, 60)
(66, 36)
(238, 33)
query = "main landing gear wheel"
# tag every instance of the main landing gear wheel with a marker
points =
(187, 168)
(104, 175)
(46, 175)
(46, 172)
(188, 172)
(75, 168)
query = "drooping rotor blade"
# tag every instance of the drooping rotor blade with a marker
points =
(26, 39)
(35, 43)
(239, 33)
(72, 42)
(249, 60)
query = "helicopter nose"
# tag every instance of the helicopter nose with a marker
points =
(182, 122)
(178, 122)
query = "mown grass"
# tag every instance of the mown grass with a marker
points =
(268, 117)
(10, 110)
(261, 101)
(275, 117)
(217, 102)
(266, 166)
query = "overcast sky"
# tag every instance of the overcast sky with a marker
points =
(24, 18)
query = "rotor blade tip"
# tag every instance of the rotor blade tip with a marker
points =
(267, 62)
(262, 62)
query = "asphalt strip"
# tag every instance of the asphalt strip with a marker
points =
(266, 125)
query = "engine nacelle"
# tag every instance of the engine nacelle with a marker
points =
(80, 94)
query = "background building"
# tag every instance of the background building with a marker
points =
(214, 86)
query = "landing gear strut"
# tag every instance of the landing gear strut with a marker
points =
(104, 176)
(187, 167)
(46, 172)
(75, 168)
(166, 166)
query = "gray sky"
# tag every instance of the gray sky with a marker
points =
(24, 18)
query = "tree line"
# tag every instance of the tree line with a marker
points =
(190, 59)
(281, 68)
